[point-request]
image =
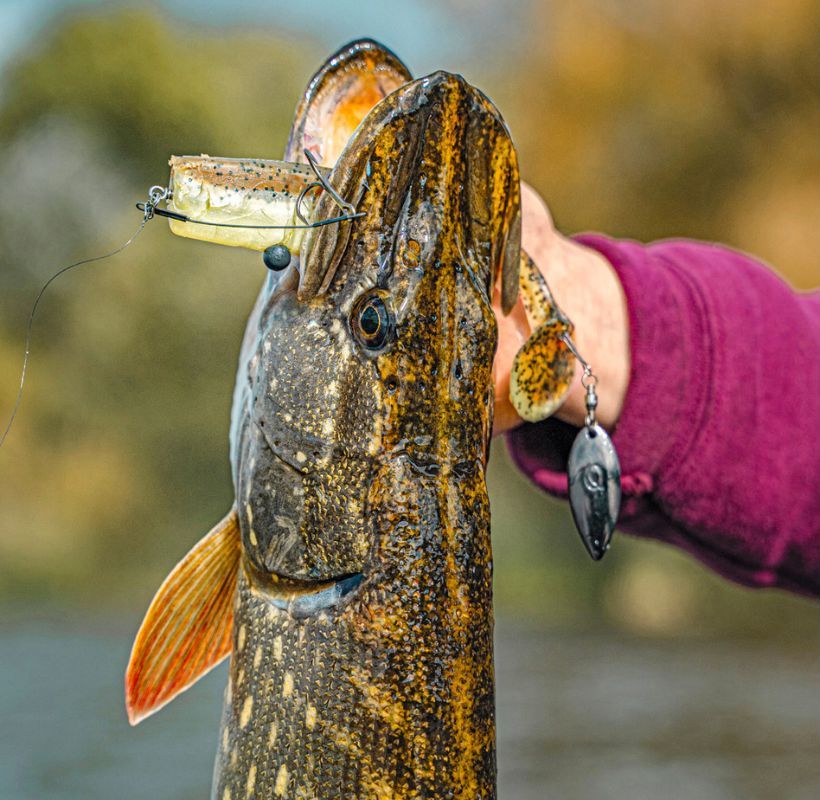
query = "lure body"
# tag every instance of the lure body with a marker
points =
(352, 580)
(239, 191)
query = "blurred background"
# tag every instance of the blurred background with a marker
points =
(641, 677)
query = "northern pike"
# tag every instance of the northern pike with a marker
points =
(351, 582)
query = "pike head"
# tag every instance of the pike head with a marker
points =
(352, 580)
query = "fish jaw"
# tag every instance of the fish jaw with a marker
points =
(389, 691)
(240, 192)
(339, 96)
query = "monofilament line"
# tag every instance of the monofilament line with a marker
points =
(34, 311)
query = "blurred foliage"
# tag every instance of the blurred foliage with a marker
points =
(687, 120)
(118, 459)
(698, 119)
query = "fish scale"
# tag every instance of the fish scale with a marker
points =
(353, 578)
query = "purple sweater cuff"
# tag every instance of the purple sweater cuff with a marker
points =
(718, 430)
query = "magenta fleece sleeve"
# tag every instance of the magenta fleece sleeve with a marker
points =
(719, 436)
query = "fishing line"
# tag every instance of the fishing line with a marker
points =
(40, 294)
(150, 209)
(162, 212)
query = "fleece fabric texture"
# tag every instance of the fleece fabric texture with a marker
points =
(719, 437)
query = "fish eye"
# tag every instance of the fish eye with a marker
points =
(372, 322)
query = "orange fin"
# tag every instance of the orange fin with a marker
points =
(187, 629)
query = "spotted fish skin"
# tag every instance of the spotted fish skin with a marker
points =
(350, 461)
(352, 579)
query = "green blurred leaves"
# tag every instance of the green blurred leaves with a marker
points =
(118, 460)
(157, 87)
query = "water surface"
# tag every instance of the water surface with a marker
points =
(578, 717)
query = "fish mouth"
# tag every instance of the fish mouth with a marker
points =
(300, 598)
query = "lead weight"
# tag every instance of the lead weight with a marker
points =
(276, 257)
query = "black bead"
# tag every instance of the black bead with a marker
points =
(276, 257)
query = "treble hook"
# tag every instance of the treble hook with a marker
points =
(321, 182)
(301, 197)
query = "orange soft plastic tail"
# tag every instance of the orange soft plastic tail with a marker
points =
(187, 629)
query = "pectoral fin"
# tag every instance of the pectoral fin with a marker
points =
(187, 629)
(543, 368)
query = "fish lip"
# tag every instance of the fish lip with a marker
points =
(302, 599)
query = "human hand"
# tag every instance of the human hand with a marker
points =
(588, 291)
